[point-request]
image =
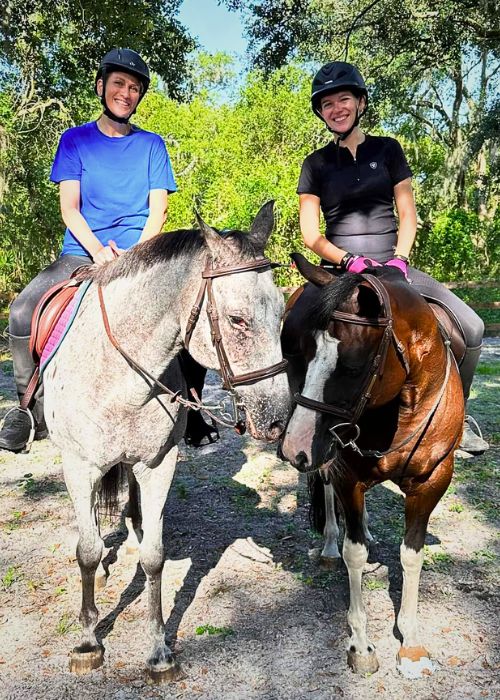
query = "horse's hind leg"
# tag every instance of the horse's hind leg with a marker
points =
(133, 519)
(82, 481)
(154, 485)
(413, 659)
(361, 655)
(330, 554)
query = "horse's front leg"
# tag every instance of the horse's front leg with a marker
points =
(361, 655)
(413, 659)
(154, 484)
(82, 481)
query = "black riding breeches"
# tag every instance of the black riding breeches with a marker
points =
(24, 304)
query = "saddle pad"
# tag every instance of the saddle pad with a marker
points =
(62, 326)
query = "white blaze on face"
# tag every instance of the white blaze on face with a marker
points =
(300, 431)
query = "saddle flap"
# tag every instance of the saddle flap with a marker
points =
(450, 331)
(47, 313)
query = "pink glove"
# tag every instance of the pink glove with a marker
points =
(400, 264)
(360, 263)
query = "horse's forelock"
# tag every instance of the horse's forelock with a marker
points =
(168, 246)
(329, 298)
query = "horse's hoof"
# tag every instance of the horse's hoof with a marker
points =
(85, 659)
(330, 563)
(157, 676)
(101, 581)
(362, 663)
(414, 662)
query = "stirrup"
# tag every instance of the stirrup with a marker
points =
(468, 419)
(31, 436)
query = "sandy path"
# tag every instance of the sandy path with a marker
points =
(241, 564)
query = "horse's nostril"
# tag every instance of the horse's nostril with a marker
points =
(275, 430)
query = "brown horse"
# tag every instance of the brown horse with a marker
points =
(378, 397)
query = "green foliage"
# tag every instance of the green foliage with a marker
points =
(228, 159)
(459, 246)
(54, 46)
(211, 629)
(448, 248)
(431, 68)
(12, 574)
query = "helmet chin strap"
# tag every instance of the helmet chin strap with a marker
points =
(342, 136)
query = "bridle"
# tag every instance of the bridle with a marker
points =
(352, 415)
(228, 416)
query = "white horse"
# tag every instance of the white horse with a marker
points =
(103, 410)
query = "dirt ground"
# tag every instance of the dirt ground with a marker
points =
(251, 612)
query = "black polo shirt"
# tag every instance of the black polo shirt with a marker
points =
(357, 195)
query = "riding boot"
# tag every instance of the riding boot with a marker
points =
(17, 426)
(198, 431)
(472, 438)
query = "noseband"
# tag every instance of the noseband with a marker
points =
(229, 416)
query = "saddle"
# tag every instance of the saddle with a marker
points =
(47, 313)
(450, 330)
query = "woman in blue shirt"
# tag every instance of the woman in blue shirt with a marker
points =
(114, 180)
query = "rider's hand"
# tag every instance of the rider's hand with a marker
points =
(400, 264)
(359, 263)
(107, 253)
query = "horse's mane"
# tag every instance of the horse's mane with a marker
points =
(332, 295)
(179, 244)
(329, 298)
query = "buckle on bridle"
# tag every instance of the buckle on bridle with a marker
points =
(350, 443)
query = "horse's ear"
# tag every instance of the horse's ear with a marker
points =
(368, 301)
(313, 273)
(262, 226)
(213, 239)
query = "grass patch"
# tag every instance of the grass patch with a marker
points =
(38, 488)
(66, 624)
(15, 521)
(211, 630)
(491, 370)
(436, 561)
(12, 575)
(304, 578)
(374, 584)
(181, 490)
(482, 556)
(7, 368)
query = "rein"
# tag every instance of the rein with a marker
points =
(351, 416)
(230, 380)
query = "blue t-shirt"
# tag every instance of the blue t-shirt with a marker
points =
(116, 175)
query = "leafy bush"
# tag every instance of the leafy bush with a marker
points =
(456, 246)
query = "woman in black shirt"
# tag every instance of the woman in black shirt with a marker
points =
(355, 181)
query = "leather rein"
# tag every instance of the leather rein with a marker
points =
(229, 416)
(352, 415)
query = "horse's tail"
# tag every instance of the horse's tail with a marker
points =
(317, 512)
(111, 484)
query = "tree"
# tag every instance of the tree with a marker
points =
(433, 69)
(49, 54)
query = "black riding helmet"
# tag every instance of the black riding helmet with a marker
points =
(335, 76)
(125, 61)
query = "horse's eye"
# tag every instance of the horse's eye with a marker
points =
(238, 322)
